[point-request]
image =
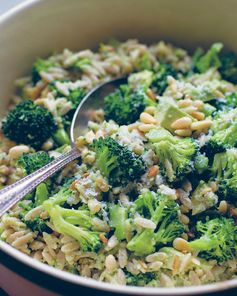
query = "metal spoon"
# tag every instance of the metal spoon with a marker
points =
(11, 194)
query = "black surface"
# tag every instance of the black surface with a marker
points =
(62, 287)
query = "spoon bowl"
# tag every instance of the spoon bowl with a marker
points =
(93, 101)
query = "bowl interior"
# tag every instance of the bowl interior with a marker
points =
(37, 28)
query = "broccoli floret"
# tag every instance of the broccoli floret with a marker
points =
(160, 83)
(226, 63)
(143, 62)
(75, 223)
(217, 239)
(225, 171)
(141, 78)
(141, 279)
(125, 105)
(116, 162)
(161, 210)
(40, 65)
(228, 102)
(201, 163)
(203, 198)
(35, 224)
(228, 68)
(203, 62)
(224, 132)
(31, 162)
(175, 155)
(118, 217)
(29, 124)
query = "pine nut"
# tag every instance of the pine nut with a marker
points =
(153, 171)
(182, 123)
(200, 125)
(18, 151)
(147, 118)
(198, 115)
(184, 219)
(110, 263)
(151, 94)
(90, 136)
(145, 127)
(184, 103)
(183, 132)
(223, 207)
(199, 104)
(102, 184)
(233, 212)
(182, 245)
(151, 110)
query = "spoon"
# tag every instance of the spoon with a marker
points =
(11, 194)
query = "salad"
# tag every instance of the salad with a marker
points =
(153, 199)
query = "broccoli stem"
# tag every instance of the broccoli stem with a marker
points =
(61, 137)
(41, 194)
(118, 217)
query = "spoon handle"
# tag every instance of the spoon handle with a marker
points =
(11, 194)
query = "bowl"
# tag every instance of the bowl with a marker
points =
(37, 27)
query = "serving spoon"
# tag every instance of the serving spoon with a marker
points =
(11, 194)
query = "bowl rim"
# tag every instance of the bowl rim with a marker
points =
(89, 282)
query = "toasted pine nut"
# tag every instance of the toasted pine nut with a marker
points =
(110, 263)
(223, 207)
(190, 109)
(233, 212)
(151, 94)
(150, 109)
(199, 104)
(102, 184)
(184, 219)
(213, 186)
(183, 132)
(103, 239)
(153, 171)
(182, 245)
(200, 125)
(182, 123)
(17, 151)
(147, 118)
(145, 127)
(198, 115)
(184, 103)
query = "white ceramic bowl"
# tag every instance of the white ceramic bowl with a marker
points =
(36, 27)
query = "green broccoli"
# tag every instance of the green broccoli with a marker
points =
(160, 83)
(118, 217)
(125, 105)
(204, 61)
(29, 124)
(141, 279)
(75, 223)
(143, 62)
(203, 198)
(176, 155)
(226, 63)
(224, 169)
(217, 239)
(31, 162)
(223, 132)
(39, 66)
(228, 68)
(228, 102)
(144, 78)
(161, 210)
(201, 162)
(35, 224)
(116, 162)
